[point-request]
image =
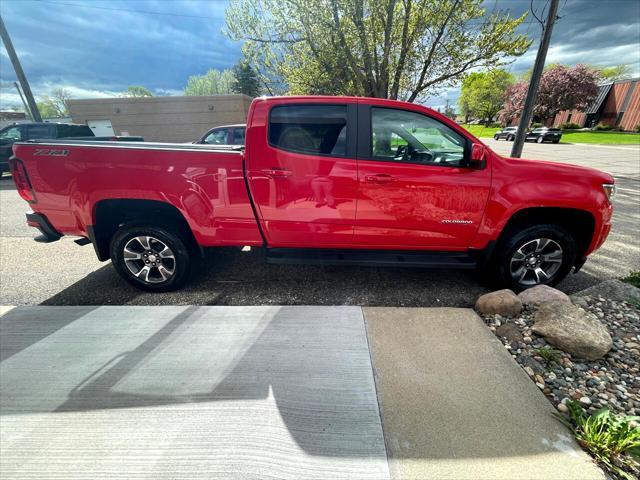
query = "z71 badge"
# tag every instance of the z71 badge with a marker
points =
(50, 152)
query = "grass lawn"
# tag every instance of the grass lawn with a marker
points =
(571, 136)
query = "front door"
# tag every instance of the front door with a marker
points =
(303, 174)
(414, 188)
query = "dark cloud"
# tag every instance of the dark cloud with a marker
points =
(159, 43)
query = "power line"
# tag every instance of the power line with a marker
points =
(147, 12)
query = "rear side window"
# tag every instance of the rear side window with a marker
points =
(39, 131)
(65, 131)
(310, 129)
(238, 136)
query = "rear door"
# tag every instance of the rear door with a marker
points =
(302, 171)
(414, 188)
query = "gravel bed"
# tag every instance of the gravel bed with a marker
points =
(613, 381)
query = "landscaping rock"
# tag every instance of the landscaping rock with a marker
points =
(509, 331)
(536, 296)
(502, 302)
(613, 290)
(573, 330)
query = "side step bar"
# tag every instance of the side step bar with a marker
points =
(373, 258)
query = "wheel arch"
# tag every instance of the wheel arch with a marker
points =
(110, 214)
(579, 223)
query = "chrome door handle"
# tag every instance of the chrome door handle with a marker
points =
(379, 178)
(276, 172)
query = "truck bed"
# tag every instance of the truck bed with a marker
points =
(70, 179)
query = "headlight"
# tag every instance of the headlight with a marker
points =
(609, 190)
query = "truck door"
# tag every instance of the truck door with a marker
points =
(302, 171)
(414, 187)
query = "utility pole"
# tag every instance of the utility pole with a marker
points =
(26, 107)
(19, 72)
(538, 67)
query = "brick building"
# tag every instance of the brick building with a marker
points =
(617, 104)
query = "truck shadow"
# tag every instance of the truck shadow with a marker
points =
(231, 277)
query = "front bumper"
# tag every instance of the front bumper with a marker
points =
(47, 232)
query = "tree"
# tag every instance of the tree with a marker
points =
(449, 111)
(402, 49)
(514, 97)
(55, 106)
(214, 82)
(561, 88)
(245, 79)
(482, 93)
(614, 73)
(137, 91)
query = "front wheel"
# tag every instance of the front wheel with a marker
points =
(540, 140)
(496, 137)
(151, 258)
(538, 255)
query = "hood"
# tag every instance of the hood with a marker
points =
(557, 169)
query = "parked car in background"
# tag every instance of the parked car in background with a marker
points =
(544, 134)
(224, 135)
(509, 134)
(45, 130)
(325, 180)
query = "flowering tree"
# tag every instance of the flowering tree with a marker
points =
(561, 88)
(514, 97)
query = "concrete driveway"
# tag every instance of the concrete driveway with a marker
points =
(270, 392)
(62, 273)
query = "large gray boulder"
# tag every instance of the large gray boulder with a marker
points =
(536, 296)
(613, 290)
(501, 302)
(573, 330)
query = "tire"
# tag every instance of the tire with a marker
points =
(145, 266)
(540, 139)
(496, 137)
(556, 141)
(514, 266)
(510, 138)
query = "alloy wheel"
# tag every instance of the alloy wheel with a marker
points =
(536, 261)
(149, 259)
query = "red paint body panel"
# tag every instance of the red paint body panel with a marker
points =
(304, 200)
(207, 187)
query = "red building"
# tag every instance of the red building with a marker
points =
(617, 104)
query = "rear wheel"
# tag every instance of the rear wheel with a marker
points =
(540, 140)
(151, 258)
(556, 141)
(538, 255)
(511, 138)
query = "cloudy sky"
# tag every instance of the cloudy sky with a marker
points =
(96, 48)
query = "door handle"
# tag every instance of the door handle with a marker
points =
(380, 178)
(276, 172)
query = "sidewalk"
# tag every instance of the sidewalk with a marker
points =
(279, 392)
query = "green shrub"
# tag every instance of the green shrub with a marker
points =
(570, 126)
(536, 125)
(603, 127)
(549, 354)
(613, 440)
(637, 129)
(633, 278)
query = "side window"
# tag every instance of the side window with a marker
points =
(310, 129)
(403, 136)
(38, 131)
(13, 133)
(217, 137)
(238, 136)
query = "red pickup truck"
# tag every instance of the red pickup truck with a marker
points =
(328, 180)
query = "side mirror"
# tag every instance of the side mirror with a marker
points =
(478, 155)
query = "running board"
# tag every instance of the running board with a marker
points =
(372, 258)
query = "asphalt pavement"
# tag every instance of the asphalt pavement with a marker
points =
(63, 273)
